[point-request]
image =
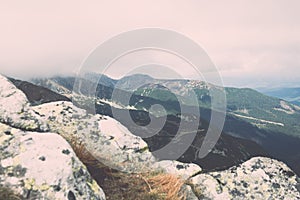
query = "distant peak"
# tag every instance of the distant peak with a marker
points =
(138, 76)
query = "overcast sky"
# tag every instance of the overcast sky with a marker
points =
(253, 43)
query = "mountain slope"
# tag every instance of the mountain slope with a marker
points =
(267, 113)
(36, 94)
(289, 94)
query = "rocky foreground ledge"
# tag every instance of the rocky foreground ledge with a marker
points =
(37, 162)
(257, 178)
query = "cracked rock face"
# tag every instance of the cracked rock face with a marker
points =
(15, 109)
(257, 178)
(43, 166)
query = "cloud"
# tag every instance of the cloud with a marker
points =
(247, 40)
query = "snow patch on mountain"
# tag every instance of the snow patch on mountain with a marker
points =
(285, 108)
(259, 120)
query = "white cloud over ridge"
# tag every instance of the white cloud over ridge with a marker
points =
(253, 43)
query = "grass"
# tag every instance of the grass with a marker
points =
(149, 186)
(82, 153)
(8, 194)
(167, 185)
(124, 186)
(120, 185)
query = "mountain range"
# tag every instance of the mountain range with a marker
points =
(255, 124)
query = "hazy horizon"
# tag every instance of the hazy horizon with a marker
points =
(252, 43)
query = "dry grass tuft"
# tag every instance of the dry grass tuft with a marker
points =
(82, 153)
(167, 185)
(8, 194)
(120, 185)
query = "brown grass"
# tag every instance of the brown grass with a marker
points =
(82, 153)
(8, 194)
(124, 186)
(167, 185)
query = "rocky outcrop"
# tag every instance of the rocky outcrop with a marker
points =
(40, 164)
(15, 109)
(43, 166)
(106, 139)
(257, 178)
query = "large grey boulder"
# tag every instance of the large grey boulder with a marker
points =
(15, 109)
(43, 166)
(106, 139)
(257, 178)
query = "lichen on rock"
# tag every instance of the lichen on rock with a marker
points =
(183, 170)
(54, 177)
(15, 109)
(257, 178)
(106, 139)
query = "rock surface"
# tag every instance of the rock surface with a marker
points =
(257, 178)
(38, 165)
(183, 170)
(15, 109)
(106, 139)
(43, 166)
